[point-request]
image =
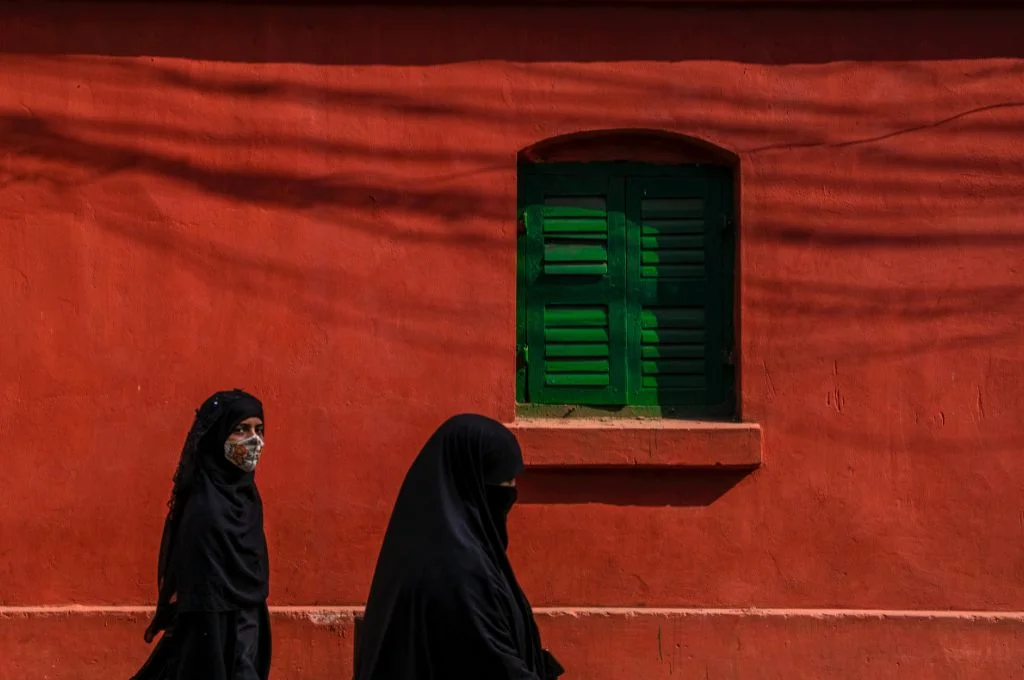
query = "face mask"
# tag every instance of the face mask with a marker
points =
(245, 453)
(500, 500)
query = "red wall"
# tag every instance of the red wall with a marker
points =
(319, 205)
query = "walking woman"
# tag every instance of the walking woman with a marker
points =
(444, 602)
(213, 569)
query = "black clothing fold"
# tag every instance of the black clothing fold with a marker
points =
(444, 603)
(213, 570)
(212, 646)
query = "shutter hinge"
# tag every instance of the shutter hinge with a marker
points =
(523, 356)
(521, 224)
(727, 223)
(729, 356)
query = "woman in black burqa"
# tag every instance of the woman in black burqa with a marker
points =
(444, 603)
(213, 569)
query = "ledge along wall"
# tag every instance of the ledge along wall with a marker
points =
(319, 204)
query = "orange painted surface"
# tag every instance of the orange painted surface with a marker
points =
(652, 645)
(628, 443)
(319, 205)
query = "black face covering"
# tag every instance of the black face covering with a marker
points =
(500, 500)
(444, 601)
(213, 554)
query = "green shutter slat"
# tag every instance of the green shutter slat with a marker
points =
(673, 242)
(672, 337)
(574, 289)
(666, 351)
(576, 335)
(672, 317)
(576, 316)
(672, 208)
(600, 366)
(577, 225)
(570, 350)
(673, 367)
(653, 227)
(669, 271)
(575, 269)
(574, 203)
(667, 256)
(573, 380)
(674, 382)
(575, 253)
(575, 239)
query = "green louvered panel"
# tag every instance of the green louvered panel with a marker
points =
(672, 238)
(576, 346)
(573, 298)
(672, 348)
(625, 287)
(676, 321)
(575, 232)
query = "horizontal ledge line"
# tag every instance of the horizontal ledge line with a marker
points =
(630, 423)
(757, 612)
(334, 612)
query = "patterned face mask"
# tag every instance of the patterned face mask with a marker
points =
(245, 453)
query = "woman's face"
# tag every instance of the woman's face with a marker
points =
(246, 429)
(242, 447)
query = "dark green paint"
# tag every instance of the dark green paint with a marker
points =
(625, 287)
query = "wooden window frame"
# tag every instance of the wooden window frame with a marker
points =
(626, 184)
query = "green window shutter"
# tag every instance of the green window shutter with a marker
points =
(679, 282)
(572, 307)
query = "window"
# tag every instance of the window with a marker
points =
(625, 287)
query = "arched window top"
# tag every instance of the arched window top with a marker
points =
(626, 248)
(631, 145)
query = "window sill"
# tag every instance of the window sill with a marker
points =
(638, 443)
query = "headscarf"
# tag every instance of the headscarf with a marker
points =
(444, 602)
(213, 552)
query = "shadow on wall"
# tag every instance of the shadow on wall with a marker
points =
(416, 36)
(83, 161)
(654, 488)
(933, 161)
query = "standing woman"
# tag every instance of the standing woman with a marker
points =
(444, 603)
(213, 571)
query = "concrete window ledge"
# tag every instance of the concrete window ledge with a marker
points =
(638, 443)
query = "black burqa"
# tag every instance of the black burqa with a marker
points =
(444, 603)
(213, 571)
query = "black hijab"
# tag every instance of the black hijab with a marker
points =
(213, 553)
(444, 602)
